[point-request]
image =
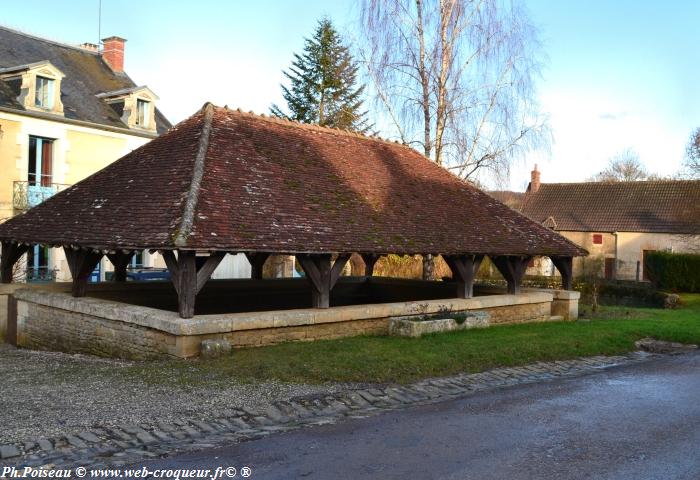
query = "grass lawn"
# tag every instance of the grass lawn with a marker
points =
(612, 330)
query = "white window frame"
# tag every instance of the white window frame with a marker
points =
(47, 92)
(143, 108)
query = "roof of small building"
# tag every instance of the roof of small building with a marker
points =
(86, 75)
(660, 206)
(232, 181)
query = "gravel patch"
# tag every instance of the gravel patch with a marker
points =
(44, 394)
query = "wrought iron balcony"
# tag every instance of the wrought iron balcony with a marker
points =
(26, 195)
(41, 274)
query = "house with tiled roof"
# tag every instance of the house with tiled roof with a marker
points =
(618, 222)
(65, 112)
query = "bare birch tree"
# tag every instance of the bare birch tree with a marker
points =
(456, 79)
(692, 155)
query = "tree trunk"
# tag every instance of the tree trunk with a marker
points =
(428, 267)
(446, 8)
(424, 80)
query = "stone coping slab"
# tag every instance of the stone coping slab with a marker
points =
(558, 294)
(170, 322)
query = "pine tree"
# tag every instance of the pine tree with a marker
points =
(323, 81)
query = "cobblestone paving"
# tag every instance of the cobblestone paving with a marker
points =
(123, 444)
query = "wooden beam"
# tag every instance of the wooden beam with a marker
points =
(257, 261)
(317, 269)
(187, 279)
(322, 275)
(173, 268)
(121, 261)
(512, 267)
(205, 271)
(464, 268)
(338, 267)
(81, 263)
(186, 282)
(11, 332)
(11, 253)
(565, 267)
(370, 260)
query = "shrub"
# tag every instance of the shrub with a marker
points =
(675, 272)
(408, 266)
(629, 294)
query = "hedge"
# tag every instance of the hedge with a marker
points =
(675, 272)
(622, 293)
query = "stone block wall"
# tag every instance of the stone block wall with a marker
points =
(43, 327)
(54, 320)
(529, 312)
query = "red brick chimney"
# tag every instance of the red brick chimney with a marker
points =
(534, 180)
(113, 53)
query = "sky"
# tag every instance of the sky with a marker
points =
(619, 74)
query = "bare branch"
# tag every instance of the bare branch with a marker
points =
(457, 77)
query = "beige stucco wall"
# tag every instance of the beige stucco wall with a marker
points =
(629, 250)
(631, 245)
(90, 151)
(78, 152)
(9, 164)
(595, 252)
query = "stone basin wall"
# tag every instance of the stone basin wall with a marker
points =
(51, 319)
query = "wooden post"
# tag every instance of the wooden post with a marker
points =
(257, 261)
(565, 267)
(121, 261)
(11, 252)
(11, 333)
(322, 275)
(464, 268)
(187, 282)
(513, 269)
(81, 264)
(187, 279)
(370, 260)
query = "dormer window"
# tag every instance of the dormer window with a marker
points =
(44, 93)
(37, 86)
(142, 109)
(135, 106)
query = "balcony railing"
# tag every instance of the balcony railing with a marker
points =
(41, 274)
(26, 195)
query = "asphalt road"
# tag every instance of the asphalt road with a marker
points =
(635, 422)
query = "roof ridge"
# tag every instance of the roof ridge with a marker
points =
(311, 126)
(625, 182)
(197, 175)
(48, 40)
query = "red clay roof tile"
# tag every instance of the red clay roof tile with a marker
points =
(277, 186)
(661, 206)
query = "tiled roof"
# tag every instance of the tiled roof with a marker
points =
(86, 75)
(232, 181)
(668, 206)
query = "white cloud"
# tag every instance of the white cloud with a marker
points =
(589, 129)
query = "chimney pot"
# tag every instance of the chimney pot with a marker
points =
(113, 53)
(534, 180)
(89, 46)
